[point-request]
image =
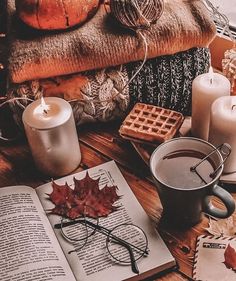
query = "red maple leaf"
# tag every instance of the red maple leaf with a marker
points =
(230, 257)
(86, 199)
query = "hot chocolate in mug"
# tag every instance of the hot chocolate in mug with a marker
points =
(186, 172)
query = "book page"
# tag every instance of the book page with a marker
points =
(93, 261)
(29, 249)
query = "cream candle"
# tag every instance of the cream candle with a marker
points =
(51, 133)
(205, 89)
(223, 127)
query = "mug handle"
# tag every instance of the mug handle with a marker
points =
(227, 200)
(217, 191)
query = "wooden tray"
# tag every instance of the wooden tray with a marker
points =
(145, 150)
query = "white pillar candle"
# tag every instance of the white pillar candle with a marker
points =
(223, 127)
(51, 133)
(205, 89)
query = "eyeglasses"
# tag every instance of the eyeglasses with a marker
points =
(126, 243)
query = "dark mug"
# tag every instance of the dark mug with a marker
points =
(184, 191)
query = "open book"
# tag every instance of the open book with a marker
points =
(31, 248)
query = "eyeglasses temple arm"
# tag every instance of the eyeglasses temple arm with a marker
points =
(131, 254)
(103, 230)
(118, 240)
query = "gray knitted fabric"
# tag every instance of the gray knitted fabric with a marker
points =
(167, 80)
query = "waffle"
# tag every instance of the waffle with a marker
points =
(149, 123)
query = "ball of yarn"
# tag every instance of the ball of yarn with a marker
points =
(137, 14)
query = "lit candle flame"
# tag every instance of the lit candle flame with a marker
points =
(45, 107)
(211, 72)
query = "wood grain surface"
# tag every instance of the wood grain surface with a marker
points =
(100, 143)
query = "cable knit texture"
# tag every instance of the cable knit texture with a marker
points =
(94, 95)
(100, 95)
(101, 42)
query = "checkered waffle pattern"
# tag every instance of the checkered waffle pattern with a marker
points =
(151, 123)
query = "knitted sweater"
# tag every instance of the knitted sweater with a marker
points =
(99, 95)
(102, 43)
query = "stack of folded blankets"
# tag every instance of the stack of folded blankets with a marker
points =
(90, 64)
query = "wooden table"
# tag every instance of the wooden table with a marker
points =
(101, 143)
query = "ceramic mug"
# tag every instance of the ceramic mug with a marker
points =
(183, 205)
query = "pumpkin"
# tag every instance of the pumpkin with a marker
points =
(55, 14)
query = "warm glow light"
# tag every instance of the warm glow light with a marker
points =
(211, 72)
(45, 107)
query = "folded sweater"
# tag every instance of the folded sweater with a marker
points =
(99, 95)
(101, 42)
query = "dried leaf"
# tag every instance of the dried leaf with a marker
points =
(85, 199)
(225, 227)
(230, 257)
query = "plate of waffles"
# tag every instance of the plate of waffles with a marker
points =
(146, 126)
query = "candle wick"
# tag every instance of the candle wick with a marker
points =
(211, 80)
(233, 106)
(45, 111)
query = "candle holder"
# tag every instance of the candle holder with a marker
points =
(51, 132)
